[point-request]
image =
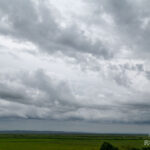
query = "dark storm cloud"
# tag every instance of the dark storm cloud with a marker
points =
(34, 95)
(9, 93)
(148, 74)
(38, 95)
(131, 19)
(35, 88)
(39, 25)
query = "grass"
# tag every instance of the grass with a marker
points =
(68, 141)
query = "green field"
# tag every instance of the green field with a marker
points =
(68, 141)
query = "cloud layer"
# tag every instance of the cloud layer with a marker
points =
(66, 60)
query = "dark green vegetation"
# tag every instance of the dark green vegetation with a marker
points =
(108, 146)
(69, 141)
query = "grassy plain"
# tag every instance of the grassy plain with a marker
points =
(68, 141)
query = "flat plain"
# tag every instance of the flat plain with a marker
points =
(68, 141)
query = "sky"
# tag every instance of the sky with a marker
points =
(69, 65)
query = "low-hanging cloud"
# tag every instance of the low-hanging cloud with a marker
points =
(38, 95)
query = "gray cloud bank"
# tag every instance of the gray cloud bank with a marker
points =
(38, 24)
(110, 41)
(37, 95)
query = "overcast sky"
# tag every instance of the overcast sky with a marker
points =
(75, 65)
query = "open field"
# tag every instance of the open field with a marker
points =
(68, 141)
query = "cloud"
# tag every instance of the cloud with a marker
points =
(39, 95)
(38, 88)
(130, 23)
(109, 40)
(37, 23)
(148, 74)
